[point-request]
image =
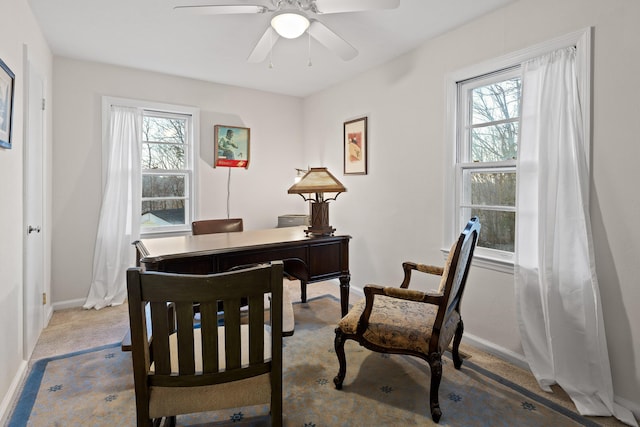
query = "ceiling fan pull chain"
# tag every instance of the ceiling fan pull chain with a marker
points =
(309, 64)
(270, 50)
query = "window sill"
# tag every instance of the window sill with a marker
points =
(488, 262)
(172, 233)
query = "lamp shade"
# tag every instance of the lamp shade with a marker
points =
(317, 180)
(290, 25)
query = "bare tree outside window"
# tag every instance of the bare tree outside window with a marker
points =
(488, 171)
(164, 178)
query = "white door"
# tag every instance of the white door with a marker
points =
(33, 208)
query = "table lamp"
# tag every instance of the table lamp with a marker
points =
(318, 181)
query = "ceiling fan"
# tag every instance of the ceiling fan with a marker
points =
(292, 18)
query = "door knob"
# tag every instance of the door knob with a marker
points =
(31, 229)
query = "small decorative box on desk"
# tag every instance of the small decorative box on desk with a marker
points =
(293, 220)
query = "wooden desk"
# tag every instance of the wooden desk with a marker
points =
(309, 259)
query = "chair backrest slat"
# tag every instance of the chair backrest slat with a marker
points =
(232, 338)
(209, 328)
(160, 338)
(184, 330)
(256, 339)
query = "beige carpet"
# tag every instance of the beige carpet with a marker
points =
(77, 329)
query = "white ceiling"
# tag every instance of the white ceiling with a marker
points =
(151, 35)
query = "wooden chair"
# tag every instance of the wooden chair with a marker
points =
(404, 321)
(183, 369)
(209, 226)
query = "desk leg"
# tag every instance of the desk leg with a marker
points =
(303, 291)
(344, 293)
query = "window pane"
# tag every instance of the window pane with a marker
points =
(495, 143)
(162, 156)
(163, 186)
(493, 188)
(495, 102)
(164, 129)
(498, 229)
(162, 212)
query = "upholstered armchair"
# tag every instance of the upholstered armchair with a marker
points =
(404, 321)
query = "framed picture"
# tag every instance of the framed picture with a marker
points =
(232, 146)
(355, 147)
(7, 79)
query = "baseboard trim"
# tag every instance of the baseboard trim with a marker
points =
(73, 303)
(12, 392)
(520, 361)
(496, 350)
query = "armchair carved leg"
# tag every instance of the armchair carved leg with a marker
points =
(457, 360)
(342, 360)
(435, 363)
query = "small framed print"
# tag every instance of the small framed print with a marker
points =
(232, 146)
(355, 147)
(7, 81)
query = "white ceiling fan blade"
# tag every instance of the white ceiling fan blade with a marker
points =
(340, 6)
(222, 9)
(332, 41)
(264, 45)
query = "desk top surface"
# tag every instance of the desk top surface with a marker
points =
(158, 249)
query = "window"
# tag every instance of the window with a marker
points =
(483, 124)
(166, 172)
(487, 147)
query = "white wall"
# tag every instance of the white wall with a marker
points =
(18, 28)
(395, 213)
(258, 194)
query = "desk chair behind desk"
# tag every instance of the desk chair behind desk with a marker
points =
(209, 226)
(230, 225)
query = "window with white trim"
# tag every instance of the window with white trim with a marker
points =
(168, 174)
(483, 122)
(487, 148)
(167, 171)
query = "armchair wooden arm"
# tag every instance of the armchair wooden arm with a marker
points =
(408, 267)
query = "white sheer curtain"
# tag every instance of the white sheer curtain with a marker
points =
(120, 212)
(557, 296)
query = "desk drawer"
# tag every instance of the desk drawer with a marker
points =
(325, 260)
(226, 261)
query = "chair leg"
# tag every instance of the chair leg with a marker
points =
(457, 360)
(342, 360)
(435, 363)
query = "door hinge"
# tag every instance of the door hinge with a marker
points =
(44, 101)
(44, 298)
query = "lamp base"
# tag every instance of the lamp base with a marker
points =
(320, 220)
(318, 232)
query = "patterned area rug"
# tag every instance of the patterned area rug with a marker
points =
(95, 388)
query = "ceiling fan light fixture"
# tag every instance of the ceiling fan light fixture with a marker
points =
(290, 25)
